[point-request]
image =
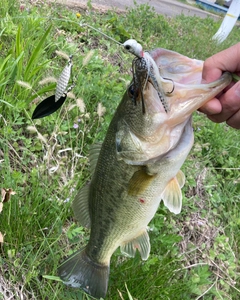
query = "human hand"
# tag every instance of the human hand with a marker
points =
(226, 106)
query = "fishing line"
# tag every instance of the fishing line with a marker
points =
(80, 24)
(69, 21)
(73, 22)
(99, 31)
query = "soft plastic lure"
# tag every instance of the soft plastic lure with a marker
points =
(144, 61)
(134, 47)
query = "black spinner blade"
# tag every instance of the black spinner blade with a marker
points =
(48, 106)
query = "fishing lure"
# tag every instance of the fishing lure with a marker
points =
(54, 102)
(144, 60)
(63, 80)
(144, 65)
(48, 106)
(134, 47)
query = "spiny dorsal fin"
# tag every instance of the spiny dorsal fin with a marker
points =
(93, 156)
(141, 243)
(180, 178)
(80, 207)
(172, 196)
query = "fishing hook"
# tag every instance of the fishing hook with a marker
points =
(172, 83)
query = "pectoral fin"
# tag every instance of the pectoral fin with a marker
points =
(139, 182)
(172, 196)
(141, 243)
(180, 178)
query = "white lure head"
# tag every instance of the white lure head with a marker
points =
(134, 47)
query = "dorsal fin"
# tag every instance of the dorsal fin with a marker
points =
(81, 208)
(141, 242)
(172, 196)
(93, 156)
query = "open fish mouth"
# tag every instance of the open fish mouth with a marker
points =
(175, 78)
(165, 90)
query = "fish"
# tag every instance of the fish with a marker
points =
(138, 165)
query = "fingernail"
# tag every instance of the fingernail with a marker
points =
(237, 89)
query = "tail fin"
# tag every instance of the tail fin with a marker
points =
(80, 271)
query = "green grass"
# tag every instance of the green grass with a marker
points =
(46, 161)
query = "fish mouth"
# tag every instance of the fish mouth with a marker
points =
(173, 80)
(179, 68)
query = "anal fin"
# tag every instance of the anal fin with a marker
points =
(141, 243)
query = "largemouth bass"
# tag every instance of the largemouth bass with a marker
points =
(138, 164)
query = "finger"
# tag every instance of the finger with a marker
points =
(211, 69)
(225, 60)
(234, 121)
(230, 102)
(212, 107)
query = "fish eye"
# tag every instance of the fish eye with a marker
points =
(132, 92)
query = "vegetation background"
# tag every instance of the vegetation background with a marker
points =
(194, 255)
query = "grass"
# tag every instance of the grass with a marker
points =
(194, 255)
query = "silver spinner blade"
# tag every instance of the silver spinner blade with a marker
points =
(63, 80)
